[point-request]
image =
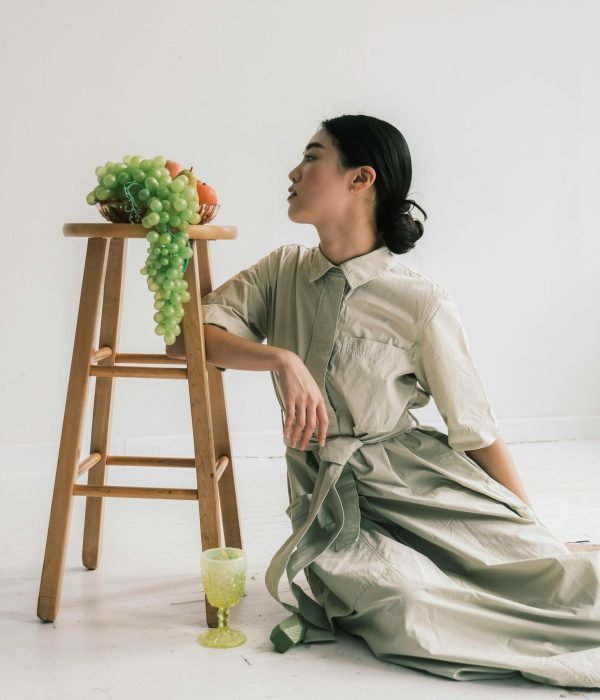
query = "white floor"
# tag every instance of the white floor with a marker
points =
(128, 629)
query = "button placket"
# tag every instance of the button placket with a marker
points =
(324, 330)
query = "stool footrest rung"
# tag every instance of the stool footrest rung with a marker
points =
(135, 357)
(147, 359)
(89, 462)
(221, 466)
(135, 492)
(131, 371)
(144, 461)
(101, 354)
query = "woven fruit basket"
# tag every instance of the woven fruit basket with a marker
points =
(121, 211)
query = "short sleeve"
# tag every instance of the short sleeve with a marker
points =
(241, 304)
(445, 369)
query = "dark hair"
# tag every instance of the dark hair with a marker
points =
(366, 140)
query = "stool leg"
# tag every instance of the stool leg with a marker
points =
(227, 490)
(202, 424)
(103, 397)
(70, 441)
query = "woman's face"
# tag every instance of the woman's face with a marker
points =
(323, 192)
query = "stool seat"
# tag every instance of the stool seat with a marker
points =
(206, 232)
(100, 307)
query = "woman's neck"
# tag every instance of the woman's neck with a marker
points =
(341, 250)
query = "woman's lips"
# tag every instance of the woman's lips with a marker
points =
(292, 196)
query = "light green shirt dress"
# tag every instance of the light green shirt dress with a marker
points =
(404, 540)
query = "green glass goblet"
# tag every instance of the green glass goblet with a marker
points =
(224, 576)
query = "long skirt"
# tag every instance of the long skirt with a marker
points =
(454, 575)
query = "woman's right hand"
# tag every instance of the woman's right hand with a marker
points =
(304, 403)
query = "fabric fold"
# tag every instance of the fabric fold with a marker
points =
(336, 493)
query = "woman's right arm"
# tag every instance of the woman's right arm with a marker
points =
(230, 351)
(304, 404)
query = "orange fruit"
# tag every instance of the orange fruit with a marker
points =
(206, 194)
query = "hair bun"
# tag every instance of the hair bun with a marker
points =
(406, 205)
(399, 229)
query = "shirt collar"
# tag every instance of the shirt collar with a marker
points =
(357, 270)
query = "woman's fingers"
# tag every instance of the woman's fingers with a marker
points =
(582, 546)
(290, 414)
(309, 427)
(303, 429)
(299, 425)
(323, 422)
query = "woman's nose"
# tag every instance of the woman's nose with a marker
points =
(293, 174)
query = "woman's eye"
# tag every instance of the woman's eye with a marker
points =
(309, 156)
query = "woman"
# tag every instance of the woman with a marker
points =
(420, 542)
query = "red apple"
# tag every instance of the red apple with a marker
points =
(173, 168)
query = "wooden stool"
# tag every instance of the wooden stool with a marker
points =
(216, 492)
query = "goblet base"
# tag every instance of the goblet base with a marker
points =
(222, 638)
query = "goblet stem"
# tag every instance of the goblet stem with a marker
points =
(223, 617)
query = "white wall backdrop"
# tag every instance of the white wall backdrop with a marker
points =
(499, 105)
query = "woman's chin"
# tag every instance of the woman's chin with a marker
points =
(298, 214)
(297, 218)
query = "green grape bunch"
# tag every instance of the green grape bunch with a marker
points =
(167, 206)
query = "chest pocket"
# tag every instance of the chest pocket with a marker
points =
(376, 381)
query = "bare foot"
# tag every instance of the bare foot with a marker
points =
(582, 546)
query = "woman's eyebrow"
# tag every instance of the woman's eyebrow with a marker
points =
(314, 144)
